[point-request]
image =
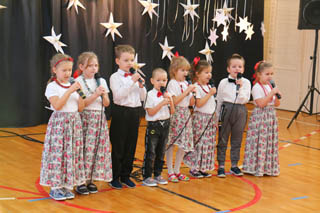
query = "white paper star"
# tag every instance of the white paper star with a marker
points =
(220, 18)
(225, 33)
(166, 49)
(2, 7)
(213, 37)
(207, 52)
(54, 40)
(263, 30)
(226, 11)
(243, 24)
(137, 65)
(75, 3)
(112, 27)
(149, 7)
(190, 9)
(249, 32)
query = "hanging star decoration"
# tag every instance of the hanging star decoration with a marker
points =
(249, 32)
(213, 37)
(149, 7)
(2, 7)
(75, 3)
(112, 27)
(190, 9)
(137, 65)
(225, 33)
(207, 52)
(263, 30)
(55, 41)
(166, 49)
(220, 18)
(226, 11)
(243, 24)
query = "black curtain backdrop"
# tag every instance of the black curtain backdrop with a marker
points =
(25, 55)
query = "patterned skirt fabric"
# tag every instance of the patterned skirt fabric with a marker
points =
(180, 131)
(93, 135)
(62, 157)
(202, 158)
(261, 151)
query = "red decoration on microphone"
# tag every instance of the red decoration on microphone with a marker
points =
(196, 60)
(159, 94)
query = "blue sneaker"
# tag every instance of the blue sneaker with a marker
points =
(68, 194)
(115, 184)
(127, 182)
(57, 194)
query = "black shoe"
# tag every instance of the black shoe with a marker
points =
(196, 174)
(115, 184)
(221, 173)
(127, 182)
(236, 171)
(92, 188)
(83, 190)
(205, 174)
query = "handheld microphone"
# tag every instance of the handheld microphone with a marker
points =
(79, 91)
(97, 76)
(273, 86)
(133, 71)
(162, 89)
(188, 79)
(239, 76)
(211, 83)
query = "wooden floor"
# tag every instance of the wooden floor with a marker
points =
(297, 189)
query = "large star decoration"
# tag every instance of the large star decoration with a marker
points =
(225, 33)
(166, 49)
(243, 24)
(249, 32)
(112, 27)
(263, 30)
(55, 41)
(220, 18)
(226, 11)
(75, 3)
(2, 7)
(137, 65)
(207, 52)
(190, 9)
(213, 37)
(149, 7)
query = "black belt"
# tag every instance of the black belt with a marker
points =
(162, 123)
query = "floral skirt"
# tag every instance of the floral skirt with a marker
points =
(261, 152)
(96, 140)
(202, 158)
(62, 156)
(180, 130)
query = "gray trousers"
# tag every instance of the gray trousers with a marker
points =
(234, 122)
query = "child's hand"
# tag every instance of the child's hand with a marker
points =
(239, 82)
(166, 101)
(135, 77)
(74, 87)
(212, 91)
(167, 95)
(141, 82)
(100, 90)
(191, 88)
(275, 90)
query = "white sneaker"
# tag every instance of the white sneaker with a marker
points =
(149, 182)
(160, 180)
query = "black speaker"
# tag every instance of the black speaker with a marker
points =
(309, 14)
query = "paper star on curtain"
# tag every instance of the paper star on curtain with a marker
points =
(226, 11)
(243, 24)
(213, 37)
(2, 7)
(149, 7)
(55, 41)
(225, 33)
(220, 18)
(137, 65)
(166, 49)
(112, 27)
(75, 3)
(249, 32)
(263, 30)
(207, 52)
(190, 9)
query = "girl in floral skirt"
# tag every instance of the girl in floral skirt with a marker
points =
(201, 159)
(261, 151)
(62, 158)
(180, 130)
(97, 151)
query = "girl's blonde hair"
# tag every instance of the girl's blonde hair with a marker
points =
(259, 67)
(86, 57)
(197, 68)
(178, 62)
(55, 61)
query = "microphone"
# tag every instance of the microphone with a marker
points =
(239, 76)
(273, 86)
(97, 76)
(188, 79)
(211, 83)
(162, 89)
(133, 71)
(79, 91)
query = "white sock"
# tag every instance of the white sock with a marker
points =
(169, 156)
(179, 158)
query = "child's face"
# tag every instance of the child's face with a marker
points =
(181, 74)
(205, 75)
(159, 80)
(90, 68)
(236, 66)
(125, 62)
(265, 75)
(63, 71)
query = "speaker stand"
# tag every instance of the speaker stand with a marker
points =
(312, 88)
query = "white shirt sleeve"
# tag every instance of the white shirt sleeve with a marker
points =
(174, 88)
(104, 84)
(257, 92)
(51, 91)
(119, 89)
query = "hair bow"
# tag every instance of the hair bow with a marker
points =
(196, 60)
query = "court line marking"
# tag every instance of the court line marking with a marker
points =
(295, 164)
(7, 198)
(38, 199)
(299, 198)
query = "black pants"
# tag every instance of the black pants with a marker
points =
(155, 144)
(123, 136)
